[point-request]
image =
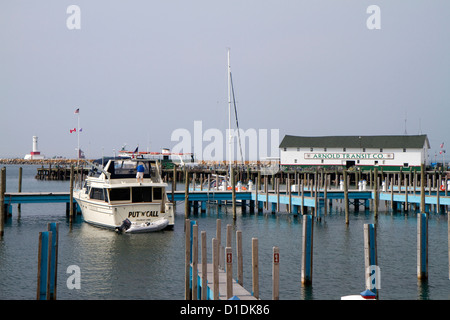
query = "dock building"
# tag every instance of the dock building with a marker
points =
(391, 152)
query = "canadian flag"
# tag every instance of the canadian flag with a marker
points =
(73, 130)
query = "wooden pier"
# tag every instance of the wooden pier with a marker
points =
(238, 291)
(214, 281)
(59, 172)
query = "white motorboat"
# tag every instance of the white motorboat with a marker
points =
(113, 195)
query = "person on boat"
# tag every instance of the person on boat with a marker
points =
(140, 173)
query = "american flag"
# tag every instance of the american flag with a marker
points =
(77, 111)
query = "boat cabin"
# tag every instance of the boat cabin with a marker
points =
(117, 183)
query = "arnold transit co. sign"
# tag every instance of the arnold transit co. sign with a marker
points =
(350, 156)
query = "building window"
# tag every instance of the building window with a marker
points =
(295, 160)
(405, 165)
(381, 149)
(364, 149)
(284, 149)
(321, 160)
(404, 149)
(344, 149)
(298, 149)
(325, 149)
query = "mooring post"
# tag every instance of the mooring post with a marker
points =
(346, 198)
(219, 241)
(422, 188)
(174, 182)
(276, 274)
(375, 191)
(277, 188)
(54, 229)
(2, 200)
(194, 261)
(448, 241)
(187, 258)
(215, 258)
(266, 191)
(307, 250)
(233, 192)
(370, 258)
(204, 266)
(186, 193)
(229, 272)
(422, 246)
(325, 197)
(71, 195)
(255, 268)
(240, 264)
(44, 263)
(19, 189)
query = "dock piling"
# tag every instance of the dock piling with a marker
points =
(54, 229)
(19, 189)
(204, 266)
(187, 260)
(215, 258)
(229, 272)
(43, 276)
(307, 250)
(276, 274)
(2, 200)
(239, 254)
(255, 268)
(194, 261)
(47, 263)
(370, 258)
(422, 246)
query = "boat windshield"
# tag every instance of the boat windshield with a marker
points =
(120, 169)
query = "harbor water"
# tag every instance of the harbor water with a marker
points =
(151, 266)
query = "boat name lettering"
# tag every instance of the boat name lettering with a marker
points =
(137, 214)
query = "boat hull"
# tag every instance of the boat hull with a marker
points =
(112, 216)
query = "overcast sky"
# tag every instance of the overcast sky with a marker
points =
(139, 70)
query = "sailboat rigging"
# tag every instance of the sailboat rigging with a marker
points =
(232, 99)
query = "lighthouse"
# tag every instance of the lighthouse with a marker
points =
(35, 154)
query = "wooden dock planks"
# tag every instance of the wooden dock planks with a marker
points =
(238, 290)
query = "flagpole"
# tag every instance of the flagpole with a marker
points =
(78, 131)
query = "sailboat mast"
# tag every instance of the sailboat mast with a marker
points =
(229, 111)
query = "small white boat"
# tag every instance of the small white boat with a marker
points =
(134, 227)
(115, 194)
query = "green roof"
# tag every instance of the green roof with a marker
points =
(403, 141)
